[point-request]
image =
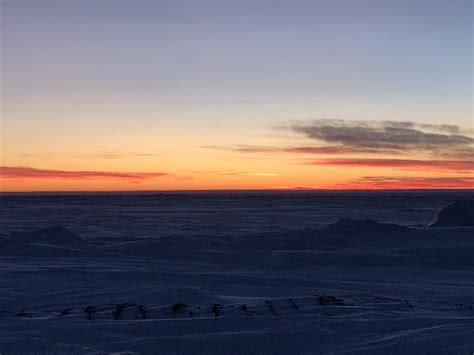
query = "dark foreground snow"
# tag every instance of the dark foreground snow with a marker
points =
(353, 286)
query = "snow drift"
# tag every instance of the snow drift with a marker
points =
(45, 242)
(348, 226)
(457, 214)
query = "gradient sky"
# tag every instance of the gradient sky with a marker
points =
(130, 95)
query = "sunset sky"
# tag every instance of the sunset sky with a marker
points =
(247, 94)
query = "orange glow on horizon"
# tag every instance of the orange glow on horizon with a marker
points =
(325, 178)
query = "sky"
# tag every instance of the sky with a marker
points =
(100, 95)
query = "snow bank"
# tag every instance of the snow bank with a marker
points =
(457, 214)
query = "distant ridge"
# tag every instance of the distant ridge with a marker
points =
(456, 214)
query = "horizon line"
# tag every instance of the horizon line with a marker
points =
(232, 190)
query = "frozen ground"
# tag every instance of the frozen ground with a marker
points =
(248, 273)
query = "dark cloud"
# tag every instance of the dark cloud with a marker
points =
(399, 136)
(459, 165)
(430, 127)
(332, 149)
(370, 137)
(337, 149)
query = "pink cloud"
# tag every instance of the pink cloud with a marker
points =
(460, 165)
(397, 182)
(33, 173)
(392, 183)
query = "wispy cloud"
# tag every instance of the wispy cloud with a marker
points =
(97, 155)
(459, 165)
(236, 173)
(35, 155)
(144, 155)
(263, 174)
(121, 155)
(33, 173)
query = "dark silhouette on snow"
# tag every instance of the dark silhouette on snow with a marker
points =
(216, 309)
(178, 308)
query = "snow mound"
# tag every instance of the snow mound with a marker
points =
(457, 214)
(46, 242)
(347, 226)
(52, 235)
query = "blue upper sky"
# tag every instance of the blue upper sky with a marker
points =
(389, 54)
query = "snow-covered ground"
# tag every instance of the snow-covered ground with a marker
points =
(249, 273)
